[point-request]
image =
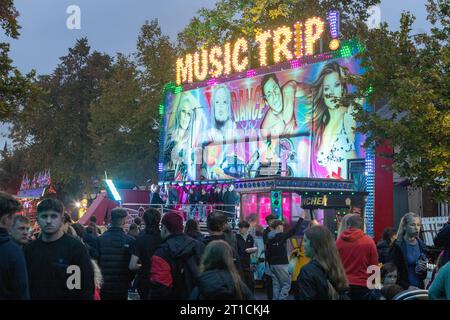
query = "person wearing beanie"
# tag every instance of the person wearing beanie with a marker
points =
(175, 264)
(357, 251)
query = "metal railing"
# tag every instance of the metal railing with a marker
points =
(181, 208)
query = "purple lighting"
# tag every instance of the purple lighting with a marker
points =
(295, 64)
(212, 82)
(333, 21)
(251, 73)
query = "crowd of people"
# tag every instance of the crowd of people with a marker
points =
(162, 257)
(198, 201)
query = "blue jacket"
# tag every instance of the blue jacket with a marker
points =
(440, 288)
(13, 270)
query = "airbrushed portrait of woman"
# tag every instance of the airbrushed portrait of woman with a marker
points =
(222, 136)
(223, 127)
(332, 124)
(180, 139)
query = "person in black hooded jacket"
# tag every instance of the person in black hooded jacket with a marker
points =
(13, 269)
(174, 266)
(219, 278)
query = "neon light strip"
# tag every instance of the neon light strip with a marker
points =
(113, 189)
(333, 21)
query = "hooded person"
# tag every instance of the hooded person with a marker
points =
(357, 251)
(174, 266)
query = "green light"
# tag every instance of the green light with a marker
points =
(178, 89)
(161, 109)
(306, 192)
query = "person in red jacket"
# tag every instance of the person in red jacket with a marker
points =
(357, 251)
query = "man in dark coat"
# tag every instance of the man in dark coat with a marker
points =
(175, 264)
(246, 246)
(13, 270)
(155, 199)
(230, 200)
(114, 247)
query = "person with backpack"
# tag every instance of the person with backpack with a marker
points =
(323, 278)
(174, 266)
(219, 278)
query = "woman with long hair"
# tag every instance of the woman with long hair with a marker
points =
(332, 124)
(323, 278)
(409, 253)
(181, 141)
(219, 278)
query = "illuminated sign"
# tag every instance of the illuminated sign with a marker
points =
(315, 201)
(285, 43)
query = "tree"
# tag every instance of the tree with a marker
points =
(410, 74)
(125, 120)
(155, 58)
(14, 87)
(54, 126)
(12, 169)
(118, 145)
(232, 18)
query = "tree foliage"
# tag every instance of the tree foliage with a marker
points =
(95, 113)
(14, 87)
(233, 18)
(410, 75)
(54, 126)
